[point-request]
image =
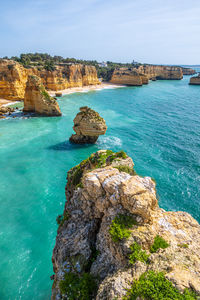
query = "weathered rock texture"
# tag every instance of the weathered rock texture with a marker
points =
(188, 71)
(96, 193)
(38, 100)
(195, 80)
(141, 74)
(13, 78)
(88, 126)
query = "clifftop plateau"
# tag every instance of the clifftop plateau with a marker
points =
(115, 242)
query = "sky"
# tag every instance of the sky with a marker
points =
(147, 31)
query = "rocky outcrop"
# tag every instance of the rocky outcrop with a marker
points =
(126, 76)
(112, 232)
(188, 71)
(5, 110)
(88, 125)
(195, 80)
(13, 78)
(38, 100)
(142, 74)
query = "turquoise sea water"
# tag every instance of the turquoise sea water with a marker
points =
(158, 125)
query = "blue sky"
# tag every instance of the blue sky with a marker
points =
(153, 31)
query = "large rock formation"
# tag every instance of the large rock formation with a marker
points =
(13, 77)
(188, 71)
(68, 76)
(126, 76)
(141, 74)
(195, 80)
(88, 125)
(112, 231)
(38, 100)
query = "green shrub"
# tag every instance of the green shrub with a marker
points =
(78, 287)
(119, 227)
(154, 286)
(183, 245)
(121, 154)
(137, 254)
(159, 242)
(126, 169)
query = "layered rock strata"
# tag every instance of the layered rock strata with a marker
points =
(195, 80)
(88, 126)
(38, 100)
(139, 75)
(90, 243)
(13, 78)
(188, 71)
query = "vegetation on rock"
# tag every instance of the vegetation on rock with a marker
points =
(126, 169)
(158, 243)
(137, 254)
(154, 286)
(78, 287)
(119, 228)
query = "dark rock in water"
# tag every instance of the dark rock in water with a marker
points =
(58, 94)
(88, 125)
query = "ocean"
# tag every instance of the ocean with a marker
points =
(158, 125)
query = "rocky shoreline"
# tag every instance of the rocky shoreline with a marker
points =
(113, 238)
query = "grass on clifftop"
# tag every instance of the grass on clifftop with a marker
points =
(158, 243)
(154, 286)
(119, 228)
(78, 287)
(95, 161)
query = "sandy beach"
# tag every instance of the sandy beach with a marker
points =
(86, 89)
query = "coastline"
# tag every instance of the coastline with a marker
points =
(87, 88)
(83, 89)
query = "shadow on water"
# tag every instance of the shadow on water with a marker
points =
(67, 146)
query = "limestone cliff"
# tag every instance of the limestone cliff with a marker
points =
(195, 80)
(141, 74)
(13, 77)
(114, 241)
(188, 71)
(88, 125)
(126, 76)
(68, 76)
(38, 100)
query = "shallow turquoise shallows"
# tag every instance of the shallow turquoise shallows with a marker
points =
(158, 125)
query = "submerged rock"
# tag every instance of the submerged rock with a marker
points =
(38, 100)
(112, 231)
(88, 125)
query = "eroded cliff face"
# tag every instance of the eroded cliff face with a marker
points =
(13, 78)
(141, 74)
(38, 100)
(104, 198)
(69, 76)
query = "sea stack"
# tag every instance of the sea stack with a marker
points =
(195, 80)
(38, 100)
(88, 125)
